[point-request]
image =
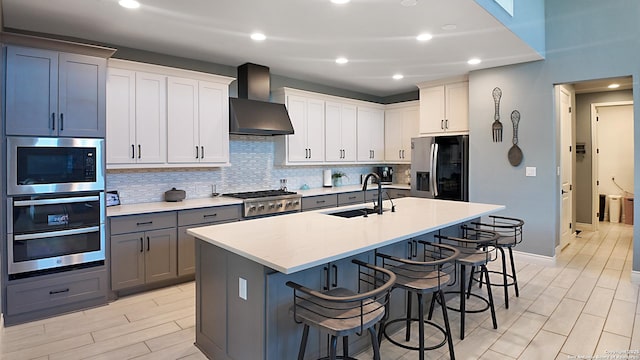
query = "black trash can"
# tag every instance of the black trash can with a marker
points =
(603, 199)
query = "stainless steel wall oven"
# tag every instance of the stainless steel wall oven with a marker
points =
(55, 230)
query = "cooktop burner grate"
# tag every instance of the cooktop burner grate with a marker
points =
(259, 194)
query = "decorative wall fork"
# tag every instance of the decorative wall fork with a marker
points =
(496, 127)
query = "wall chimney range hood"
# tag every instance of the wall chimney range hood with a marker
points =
(251, 113)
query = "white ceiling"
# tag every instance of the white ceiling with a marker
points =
(304, 37)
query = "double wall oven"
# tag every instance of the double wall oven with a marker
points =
(55, 204)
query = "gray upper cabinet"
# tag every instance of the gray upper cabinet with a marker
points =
(51, 93)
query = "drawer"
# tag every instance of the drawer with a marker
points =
(319, 202)
(209, 215)
(134, 223)
(371, 195)
(350, 198)
(399, 193)
(56, 291)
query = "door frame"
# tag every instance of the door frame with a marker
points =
(595, 199)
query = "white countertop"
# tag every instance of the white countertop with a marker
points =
(299, 241)
(160, 206)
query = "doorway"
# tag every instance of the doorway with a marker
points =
(577, 171)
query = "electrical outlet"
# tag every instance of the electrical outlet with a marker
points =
(242, 288)
(530, 171)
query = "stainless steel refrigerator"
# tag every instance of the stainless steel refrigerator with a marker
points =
(440, 167)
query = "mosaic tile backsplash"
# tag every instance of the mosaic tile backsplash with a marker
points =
(252, 168)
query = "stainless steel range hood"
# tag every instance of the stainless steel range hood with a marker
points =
(251, 113)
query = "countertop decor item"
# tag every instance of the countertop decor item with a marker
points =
(174, 195)
(337, 178)
(496, 127)
(515, 153)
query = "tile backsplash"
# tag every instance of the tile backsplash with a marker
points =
(252, 168)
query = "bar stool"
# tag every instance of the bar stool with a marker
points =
(422, 277)
(342, 312)
(510, 231)
(477, 248)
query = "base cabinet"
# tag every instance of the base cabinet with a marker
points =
(48, 295)
(143, 257)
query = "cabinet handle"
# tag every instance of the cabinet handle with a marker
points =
(53, 292)
(309, 153)
(335, 276)
(53, 121)
(141, 244)
(197, 152)
(415, 248)
(61, 122)
(410, 249)
(209, 215)
(139, 151)
(306, 153)
(148, 244)
(446, 123)
(320, 201)
(201, 152)
(352, 197)
(133, 151)
(326, 278)
(442, 124)
(373, 154)
(144, 223)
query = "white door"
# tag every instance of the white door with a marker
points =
(182, 121)
(151, 118)
(393, 135)
(213, 110)
(566, 163)
(121, 116)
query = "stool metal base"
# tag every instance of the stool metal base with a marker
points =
(427, 322)
(486, 307)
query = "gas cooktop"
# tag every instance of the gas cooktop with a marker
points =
(259, 194)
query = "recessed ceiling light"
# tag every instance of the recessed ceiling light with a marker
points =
(409, 2)
(449, 27)
(129, 4)
(474, 61)
(340, 2)
(398, 77)
(613, 86)
(342, 60)
(424, 37)
(258, 36)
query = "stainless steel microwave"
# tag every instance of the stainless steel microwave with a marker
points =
(53, 165)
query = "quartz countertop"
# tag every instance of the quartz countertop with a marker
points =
(160, 206)
(299, 241)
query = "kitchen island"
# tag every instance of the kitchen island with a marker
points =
(242, 302)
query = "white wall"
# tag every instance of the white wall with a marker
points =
(615, 141)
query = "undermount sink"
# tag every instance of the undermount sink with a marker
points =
(353, 212)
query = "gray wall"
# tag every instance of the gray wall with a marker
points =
(582, 177)
(585, 39)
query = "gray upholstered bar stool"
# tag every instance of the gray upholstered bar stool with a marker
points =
(342, 312)
(477, 248)
(425, 277)
(510, 230)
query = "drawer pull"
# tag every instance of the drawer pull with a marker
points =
(144, 223)
(320, 201)
(352, 197)
(209, 215)
(53, 292)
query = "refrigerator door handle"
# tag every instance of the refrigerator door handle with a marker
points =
(434, 170)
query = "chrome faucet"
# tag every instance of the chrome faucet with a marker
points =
(364, 188)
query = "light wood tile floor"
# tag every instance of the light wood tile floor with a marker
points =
(582, 307)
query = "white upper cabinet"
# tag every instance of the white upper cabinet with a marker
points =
(165, 117)
(401, 123)
(370, 134)
(444, 109)
(306, 144)
(51, 93)
(136, 118)
(340, 132)
(197, 122)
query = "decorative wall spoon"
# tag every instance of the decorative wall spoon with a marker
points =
(515, 154)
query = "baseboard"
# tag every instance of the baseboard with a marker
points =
(534, 258)
(635, 277)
